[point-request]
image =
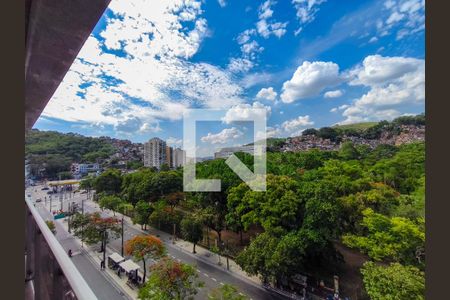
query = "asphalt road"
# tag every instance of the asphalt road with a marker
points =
(212, 275)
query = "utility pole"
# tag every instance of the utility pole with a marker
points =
(68, 219)
(82, 226)
(122, 236)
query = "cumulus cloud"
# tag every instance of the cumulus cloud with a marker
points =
(222, 137)
(309, 80)
(292, 127)
(333, 94)
(139, 67)
(393, 82)
(267, 93)
(297, 123)
(245, 111)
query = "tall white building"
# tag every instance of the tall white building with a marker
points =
(179, 158)
(155, 153)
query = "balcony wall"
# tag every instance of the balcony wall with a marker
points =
(49, 272)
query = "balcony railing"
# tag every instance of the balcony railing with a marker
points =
(49, 272)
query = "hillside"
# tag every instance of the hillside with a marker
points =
(356, 126)
(51, 153)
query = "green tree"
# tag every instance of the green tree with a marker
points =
(142, 247)
(393, 282)
(92, 229)
(226, 292)
(109, 182)
(395, 238)
(170, 280)
(348, 151)
(278, 206)
(192, 230)
(142, 212)
(110, 202)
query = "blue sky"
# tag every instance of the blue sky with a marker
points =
(310, 63)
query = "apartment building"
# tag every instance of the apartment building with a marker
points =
(155, 153)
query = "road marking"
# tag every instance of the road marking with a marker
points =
(198, 270)
(206, 274)
(222, 283)
(241, 294)
(214, 279)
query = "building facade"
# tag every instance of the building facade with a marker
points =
(155, 153)
(179, 157)
(169, 156)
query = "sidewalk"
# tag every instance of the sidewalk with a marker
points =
(96, 257)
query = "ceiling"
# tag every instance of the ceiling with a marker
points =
(55, 32)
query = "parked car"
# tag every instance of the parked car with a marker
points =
(39, 200)
(49, 192)
(83, 192)
(44, 189)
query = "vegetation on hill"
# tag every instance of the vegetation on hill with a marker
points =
(50, 152)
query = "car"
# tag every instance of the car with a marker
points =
(29, 195)
(44, 189)
(49, 192)
(83, 192)
(39, 200)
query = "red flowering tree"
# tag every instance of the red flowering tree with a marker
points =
(142, 247)
(92, 229)
(170, 279)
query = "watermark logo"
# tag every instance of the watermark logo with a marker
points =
(256, 180)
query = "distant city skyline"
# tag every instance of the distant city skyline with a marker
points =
(309, 64)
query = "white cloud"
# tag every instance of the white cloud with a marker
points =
(405, 17)
(342, 107)
(222, 137)
(246, 111)
(309, 80)
(333, 94)
(245, 36)
(373, 39)
(249, 49)
(273, 132)
(265, 27)
(379, 70)
(306, 11)
(394, 82)
(174, 141)
(239, 65)
(253, 79)
(267, 93)
(222, 3)
(292, 127)
(297, 123)
(152, 79)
